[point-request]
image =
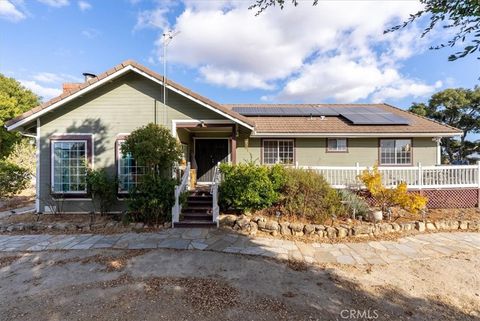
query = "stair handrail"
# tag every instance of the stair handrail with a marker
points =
(179, 189)
(214, 192)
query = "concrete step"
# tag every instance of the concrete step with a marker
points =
(195, 223)
(197, 209)
(196, 216)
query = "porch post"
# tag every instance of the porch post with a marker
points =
(233, 145)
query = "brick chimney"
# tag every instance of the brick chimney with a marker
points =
(68, 86)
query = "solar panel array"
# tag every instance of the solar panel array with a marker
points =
(357, 115)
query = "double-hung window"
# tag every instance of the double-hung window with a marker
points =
(129, 173)
(278, 151)
(395, 152)
(338, 145)
(70, 159)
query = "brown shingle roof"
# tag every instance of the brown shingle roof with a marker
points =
(336, 124)
(144, 69)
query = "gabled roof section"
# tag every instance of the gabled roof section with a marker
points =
(113, 73)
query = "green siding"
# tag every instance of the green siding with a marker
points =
(312, 152)
(117, 107)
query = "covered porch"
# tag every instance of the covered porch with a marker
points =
(205, 144)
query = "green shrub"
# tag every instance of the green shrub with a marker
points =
(13, 179)
(153, 147)
(354, 203)
(102, 189)
(307, 194)
(248, 186)
(152, 199)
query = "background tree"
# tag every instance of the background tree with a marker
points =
(14, 100)
(460, 17)
(457, 107)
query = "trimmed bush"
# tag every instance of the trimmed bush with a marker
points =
(152, 200)
(307, 194)
(102, 189)
(248, 186)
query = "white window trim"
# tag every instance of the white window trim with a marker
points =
(52, 161)
(395, 148)
(278, 150)
(337, 150)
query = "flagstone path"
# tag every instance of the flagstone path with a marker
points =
(421, 246)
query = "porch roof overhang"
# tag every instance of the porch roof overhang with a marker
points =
(112, 74)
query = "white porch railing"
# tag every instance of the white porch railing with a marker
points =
(179, 189)
(416, 177)
(214, 191)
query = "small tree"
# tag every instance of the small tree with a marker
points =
(153, 147)
(389, 197)
(102, 189)
(13, 179)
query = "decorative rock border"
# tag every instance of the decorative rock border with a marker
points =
(72, 227)
(251, 225)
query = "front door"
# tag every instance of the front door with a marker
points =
(208, 152)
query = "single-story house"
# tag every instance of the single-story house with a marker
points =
(86, 124)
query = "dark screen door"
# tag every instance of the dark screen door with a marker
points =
(208, 152)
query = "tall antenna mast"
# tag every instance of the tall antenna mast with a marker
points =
(167, 38)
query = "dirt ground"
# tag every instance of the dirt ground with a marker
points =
(192, 285)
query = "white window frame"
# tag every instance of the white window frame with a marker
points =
(52, 160)
(396, 163)
(337, 150)
(278, 151)
(119, 158)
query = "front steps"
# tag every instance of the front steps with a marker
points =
(198, 211)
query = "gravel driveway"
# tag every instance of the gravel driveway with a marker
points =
(195, 285)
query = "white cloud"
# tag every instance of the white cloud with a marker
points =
(47, 84)
(156, 18)
(336, 50)
(9, 12)
(90, 33)
(51, 78)
(84, 5)
(43, 91)
(55, 3)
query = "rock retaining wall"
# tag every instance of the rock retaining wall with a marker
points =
(251, 225)
(73, 227)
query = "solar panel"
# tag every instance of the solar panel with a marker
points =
(357, 115)
(285, 111)
(376, 119)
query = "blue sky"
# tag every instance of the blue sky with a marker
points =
(335, 52)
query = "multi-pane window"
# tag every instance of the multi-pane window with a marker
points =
(69, 166)
(395, 152)
(279, 151)
(337, 144)
(129, 172)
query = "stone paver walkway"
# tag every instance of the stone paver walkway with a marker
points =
(21, 210)
(420, 246)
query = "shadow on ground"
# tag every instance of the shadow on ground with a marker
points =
(195, 285)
